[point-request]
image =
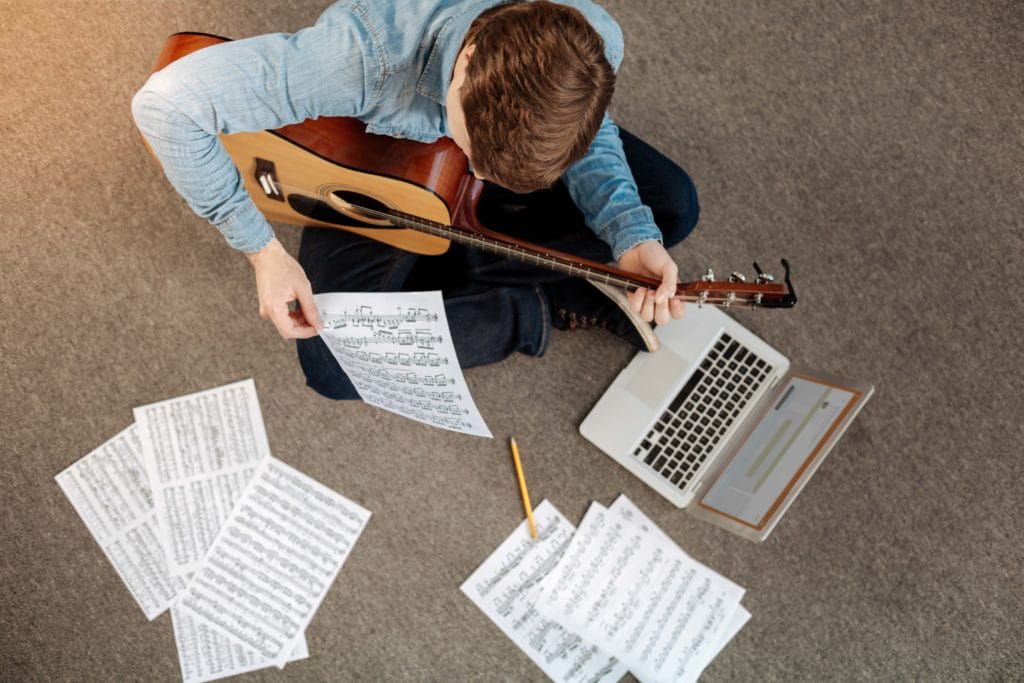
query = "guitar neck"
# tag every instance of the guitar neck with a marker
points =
(719, 294)
(528, 252)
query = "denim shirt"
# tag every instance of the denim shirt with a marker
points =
(387, 63)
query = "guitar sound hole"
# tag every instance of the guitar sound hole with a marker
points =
(325, 213)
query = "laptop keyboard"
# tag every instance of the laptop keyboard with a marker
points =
(698, 417)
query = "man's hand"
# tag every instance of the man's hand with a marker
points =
(650, 258)
(279, 281)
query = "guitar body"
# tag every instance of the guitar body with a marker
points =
(322, 165)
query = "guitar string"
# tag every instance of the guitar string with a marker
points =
(402, 219)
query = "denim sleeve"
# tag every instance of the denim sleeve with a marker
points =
(265, 82)
(602, 186)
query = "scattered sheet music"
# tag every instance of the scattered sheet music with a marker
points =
(200, 451)
(397, 350)
(502, 588)
(281, 537)
(273, 560)
(618, 586)
(206, 655)
(110, 491)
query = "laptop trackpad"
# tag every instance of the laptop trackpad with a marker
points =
(657, 377)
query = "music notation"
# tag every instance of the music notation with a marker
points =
(365, 317)
(205, 654)
(421, 339)
(396, 349)
(625, 586)
(200, 451)
(273, 560)
(503, 588)
(110, 491)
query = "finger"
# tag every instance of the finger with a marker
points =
(669, 278)
(308, 307)
(302, 332)
(647, 310)
(281, 317)
(636, 299)
(677, 308)
(661, 313)
(300, 327)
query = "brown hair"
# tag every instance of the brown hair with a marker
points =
(535, 92)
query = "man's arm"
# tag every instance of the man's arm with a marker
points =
(602, 186)
(249, 85)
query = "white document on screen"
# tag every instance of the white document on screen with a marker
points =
(397, 350)
(200, 451)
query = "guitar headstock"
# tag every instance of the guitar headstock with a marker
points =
(763, 292)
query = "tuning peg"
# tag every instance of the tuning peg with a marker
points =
(708, 276)
(737, 277)
(762, 277)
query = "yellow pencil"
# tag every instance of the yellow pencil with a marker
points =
(522, 488)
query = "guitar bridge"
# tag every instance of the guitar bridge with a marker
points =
(266, 176)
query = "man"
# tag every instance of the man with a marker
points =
(520, 87)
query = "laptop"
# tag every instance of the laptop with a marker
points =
(720, 423)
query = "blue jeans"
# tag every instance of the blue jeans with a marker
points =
(495, 305)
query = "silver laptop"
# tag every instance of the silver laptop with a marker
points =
(718, 422)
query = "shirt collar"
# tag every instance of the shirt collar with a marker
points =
(437, 76)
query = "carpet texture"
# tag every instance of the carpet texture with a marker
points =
(876, 145)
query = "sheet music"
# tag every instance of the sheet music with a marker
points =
(623, 588)
(109, 490)
(273, 560)
(206, 655)
(625, 507)
(397, 350)
(502, 588)
(200, 451)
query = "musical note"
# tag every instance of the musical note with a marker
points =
(273, 560)
(110, 491)
(199, 451)
(503, 588)
(624, 586)
(391, 345)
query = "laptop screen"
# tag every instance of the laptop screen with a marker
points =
(781, 451)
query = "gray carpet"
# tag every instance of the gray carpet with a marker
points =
(876, 145)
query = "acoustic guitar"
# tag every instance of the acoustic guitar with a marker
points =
(329, 172)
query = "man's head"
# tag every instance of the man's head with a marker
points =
(528, 94)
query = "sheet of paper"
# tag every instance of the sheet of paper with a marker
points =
(273, 560)
(199, 451)
(502, 587)
(640, 599)
(206, 655)
(397, 350)
(110, 491)
(625, 507)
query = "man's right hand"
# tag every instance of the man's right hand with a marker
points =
(280, 280)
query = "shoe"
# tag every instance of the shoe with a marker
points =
(578, 304)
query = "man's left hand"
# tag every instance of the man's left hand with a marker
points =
(651, 259)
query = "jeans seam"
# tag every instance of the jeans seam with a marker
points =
(545, 320)
(387, 272)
